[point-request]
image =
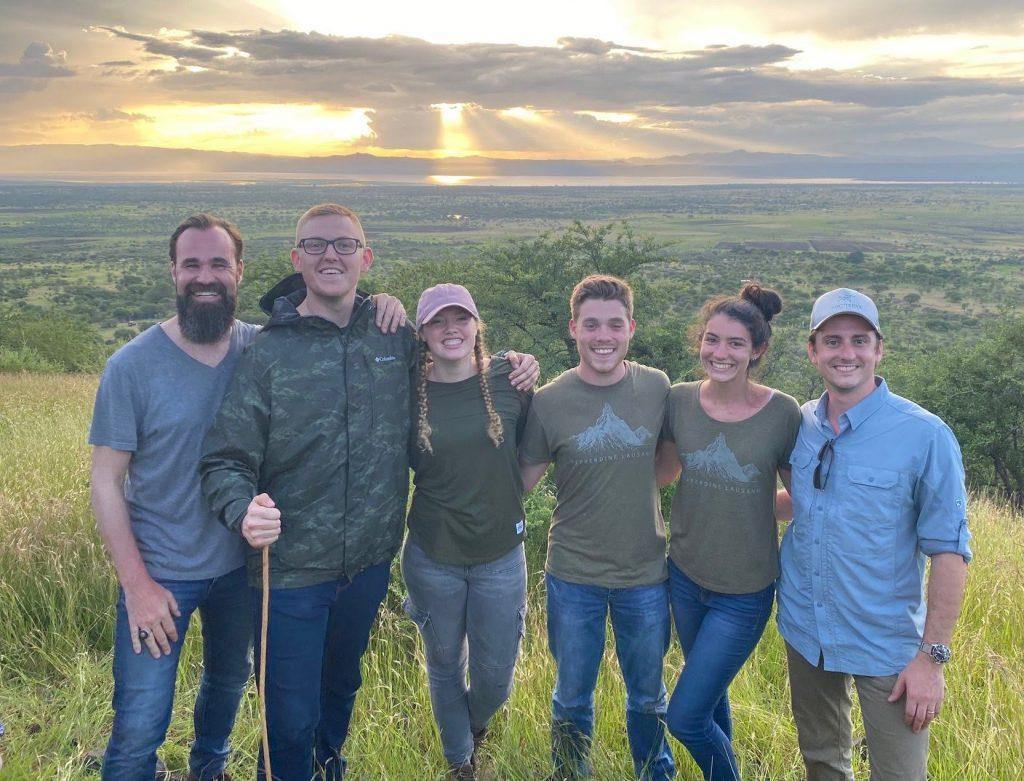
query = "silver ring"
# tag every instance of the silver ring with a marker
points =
(143, 633)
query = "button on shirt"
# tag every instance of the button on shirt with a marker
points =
(851, 589)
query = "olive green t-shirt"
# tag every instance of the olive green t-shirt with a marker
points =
(607, 528)
(467, 505)
(724, 536)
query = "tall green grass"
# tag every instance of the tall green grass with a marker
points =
(56, 623)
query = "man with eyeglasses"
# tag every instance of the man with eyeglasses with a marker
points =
(877, 489)
(308, 453)
(156, 398)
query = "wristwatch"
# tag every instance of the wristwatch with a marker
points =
(939, 653)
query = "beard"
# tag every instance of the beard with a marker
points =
(205, 323)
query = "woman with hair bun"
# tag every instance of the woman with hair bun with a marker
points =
(732, 437)
(463, 560)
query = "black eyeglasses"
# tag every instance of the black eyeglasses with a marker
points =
(821, 471)
(343, 246)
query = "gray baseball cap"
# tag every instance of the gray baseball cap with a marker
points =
(843, 301)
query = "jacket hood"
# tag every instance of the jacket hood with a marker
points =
(292, 285)
(282, 300)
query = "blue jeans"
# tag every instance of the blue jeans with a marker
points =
(316, 636)
(471, 618)
(718, 633)
(576, 635)
(144, 686)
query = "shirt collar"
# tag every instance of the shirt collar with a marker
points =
(858, 413)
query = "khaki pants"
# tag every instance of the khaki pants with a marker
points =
(821, 709)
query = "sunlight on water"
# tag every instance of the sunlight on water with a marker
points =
(442, 179)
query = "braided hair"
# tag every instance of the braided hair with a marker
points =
(495, 428)
(423, 430)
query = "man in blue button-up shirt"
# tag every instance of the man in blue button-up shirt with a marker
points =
(878, 487)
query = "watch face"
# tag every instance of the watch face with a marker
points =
(941, 653)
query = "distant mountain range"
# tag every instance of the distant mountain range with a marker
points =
(929, 160)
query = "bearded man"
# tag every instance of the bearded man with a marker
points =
(156, 400)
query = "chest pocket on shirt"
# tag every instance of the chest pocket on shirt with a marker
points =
(875, 492)
(801, 458)
(802, 462)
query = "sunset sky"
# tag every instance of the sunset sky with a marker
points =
(534, 78)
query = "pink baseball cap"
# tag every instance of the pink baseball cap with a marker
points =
(436, 298)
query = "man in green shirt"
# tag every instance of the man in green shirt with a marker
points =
(599, 424)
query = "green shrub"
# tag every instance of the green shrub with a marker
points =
(25, 359)
(66, 343)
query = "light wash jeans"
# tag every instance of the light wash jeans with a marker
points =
(470, 618)
(144, 686)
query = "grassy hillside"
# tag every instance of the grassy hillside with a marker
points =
(56, 622)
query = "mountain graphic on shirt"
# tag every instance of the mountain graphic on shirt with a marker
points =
(611, 433)
(717, 460)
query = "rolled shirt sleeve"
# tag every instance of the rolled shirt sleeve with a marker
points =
(942, 498)
(853, 560)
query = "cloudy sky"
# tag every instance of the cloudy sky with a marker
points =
(534, 78)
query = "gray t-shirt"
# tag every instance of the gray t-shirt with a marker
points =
(607, 528)
(724, 534)
(156, 401)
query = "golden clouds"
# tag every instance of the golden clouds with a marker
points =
(282, 129)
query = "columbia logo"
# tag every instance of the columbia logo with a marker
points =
(385, 358)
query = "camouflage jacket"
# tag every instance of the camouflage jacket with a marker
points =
(317, 417)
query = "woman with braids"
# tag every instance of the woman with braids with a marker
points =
(463, 561)
(732, 437)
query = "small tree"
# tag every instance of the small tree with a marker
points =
(522, 289)
(978, 390)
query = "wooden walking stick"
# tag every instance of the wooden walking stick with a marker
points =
(265, 614)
